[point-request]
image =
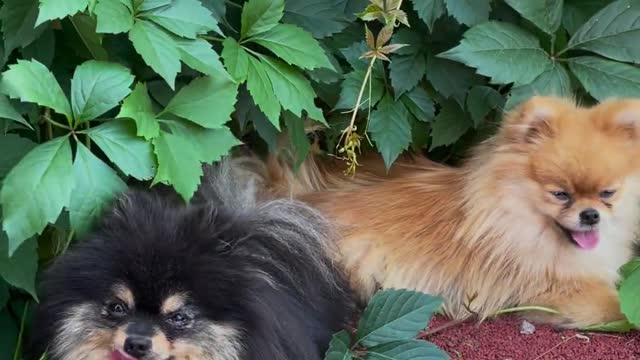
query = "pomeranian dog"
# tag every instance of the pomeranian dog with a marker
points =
(223, 278)
(543, 213)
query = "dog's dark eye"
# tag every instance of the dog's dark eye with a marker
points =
(561, 195)
(607, 194)
(179, 319)
(117, 309)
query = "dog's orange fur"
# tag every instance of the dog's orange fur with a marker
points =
(484, 235)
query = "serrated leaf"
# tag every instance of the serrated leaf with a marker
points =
(292, 89)
(605, 78)
(501, 51)
(96, 184)
(259, 16)
(58, 9)
(209, 144)
(293, 45)
(320, 17)
(114, 16)
(138, 106)
(13, 148)
(577, 12)
(261, 90)
(30, 81)
(157, 49)
(131, 154)
(390, 129)
(297, 137)
(429, 10)
(20, 269)
(339, 347)
(449, 125)
(469, 12)
(186, 18)
(612, 32)
(394, 315)
(545, 14)
(207, 101)
(481, 100)
(554, 81)
(18, 19)
(451, 79)
(178, 164)
(629, 295)
(42, 49)
(265, 129)
(630, 267)
(97, 87)
(407, 350)
(35, 190)
(236, 59)
(406, 71)
(8, 112)
(419, 104)
(353, 54)
(199, 55)
(218, 8)
(350, 88)
(146, 5)
(86, 26)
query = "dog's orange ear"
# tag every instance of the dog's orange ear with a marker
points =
(620, 116)
(532, 120)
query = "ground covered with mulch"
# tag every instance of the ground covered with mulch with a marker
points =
(507, 338)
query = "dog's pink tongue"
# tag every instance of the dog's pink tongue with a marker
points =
(119, 355)
(586, 239)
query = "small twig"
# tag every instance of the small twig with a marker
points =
(49, 120)
(231, 3)
(576, 336)
(347, 132)
(525, 308)
(447, 325)
(211, 38)
(21, 333)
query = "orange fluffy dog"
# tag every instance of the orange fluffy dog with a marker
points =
(543, 214)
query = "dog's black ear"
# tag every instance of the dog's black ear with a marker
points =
(219, 229)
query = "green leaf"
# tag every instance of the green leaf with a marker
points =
(58, 9)
(157, 49)
(406, 71)
(86, 26)
(8, 112)
(629, 295)
(18, 19)
(351, 87)
(407, 350)
(390, 129)
(114, 16)
(118, 140)
(261, 90)
(469, 12)
(138, 107)
(429, 11)
(554, 81)
(545, 14)
(209, 144)
(9, 330)
(13, 148)
(501, 51)
(218, 8)
(605, 78)
(613, 32)
(451, 79)
(293, 45)
(207, 101)
(199, 55)
(35, 190)
(481, 100)
(339, 347)
(20, 269)
(236, 59)
(4, 287)
(577, 12)
(146, 5)
(394, 315)
(259, 16)
(186, 18)
(292, 89)
(629, 268)
(42, 49)
(450, 124)
(178, 164)
(619, 326)
(419, 104)
(98, 87)
(96, 185)
(297, 136)
(319, 17)
(30, 81)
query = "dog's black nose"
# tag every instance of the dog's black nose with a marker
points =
(137, 346)
(589, 217)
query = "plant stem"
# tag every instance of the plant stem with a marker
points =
(561, 52)
(525, 308)
(553, 45)
(87, 139)
(233, 4)
(349, 129)
(21, 333)
(211, 38)
(50, 121)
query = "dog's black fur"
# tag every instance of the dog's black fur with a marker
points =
(261, 267)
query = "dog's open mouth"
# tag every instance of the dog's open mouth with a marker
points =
(587, 240)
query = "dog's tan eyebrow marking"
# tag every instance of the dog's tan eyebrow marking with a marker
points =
(173, 303)
(125, 295)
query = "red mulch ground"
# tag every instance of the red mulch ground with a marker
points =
(500, 339)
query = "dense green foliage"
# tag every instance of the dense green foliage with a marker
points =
(98, 93)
